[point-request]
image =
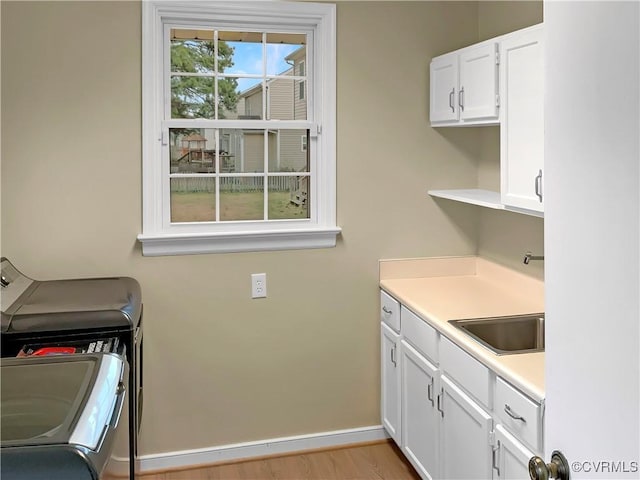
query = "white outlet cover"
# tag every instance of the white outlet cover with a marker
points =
(258, 285)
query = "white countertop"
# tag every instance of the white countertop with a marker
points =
(447, 288)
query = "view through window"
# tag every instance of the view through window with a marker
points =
(243, 173)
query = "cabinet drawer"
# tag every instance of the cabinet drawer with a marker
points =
(521, 415)
(419, 334)
(465, 370)
(389, 311)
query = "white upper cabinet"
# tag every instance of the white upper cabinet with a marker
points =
(444, 89)
(498, 82)
(522, 127)
(464, 86)
(478, 95)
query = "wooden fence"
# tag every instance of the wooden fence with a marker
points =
(233, 184)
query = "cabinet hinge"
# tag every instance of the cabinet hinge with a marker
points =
(497, 100)
(497, 55)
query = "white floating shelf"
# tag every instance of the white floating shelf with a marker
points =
(475, 196)
(483, 198)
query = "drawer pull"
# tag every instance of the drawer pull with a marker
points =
(387, 311)
(513, 414)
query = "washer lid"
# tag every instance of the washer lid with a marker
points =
(58, 400)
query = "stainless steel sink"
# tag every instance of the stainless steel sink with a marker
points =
(506, 335)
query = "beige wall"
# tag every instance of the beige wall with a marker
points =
(222, 368)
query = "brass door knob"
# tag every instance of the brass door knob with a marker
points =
(557, 469)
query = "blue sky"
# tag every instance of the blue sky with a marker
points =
(248, 59)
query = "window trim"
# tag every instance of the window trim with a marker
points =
(320, 230)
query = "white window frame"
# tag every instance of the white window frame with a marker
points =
(159, 236)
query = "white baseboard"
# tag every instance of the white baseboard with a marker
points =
(273, 446)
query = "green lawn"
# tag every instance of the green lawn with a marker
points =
(200, 206)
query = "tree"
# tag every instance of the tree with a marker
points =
(193, 97)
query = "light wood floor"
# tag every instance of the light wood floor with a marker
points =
(378, 461)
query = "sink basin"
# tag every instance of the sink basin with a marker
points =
(506, 335)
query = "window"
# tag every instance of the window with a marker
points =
(301, 90)
(301, 82)
(228, 89)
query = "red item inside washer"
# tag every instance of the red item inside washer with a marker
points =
(54, 351)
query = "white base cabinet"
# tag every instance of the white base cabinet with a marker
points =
(465, 435)
(511, 457)
(420, 418)
(453, 418)
(390, 375)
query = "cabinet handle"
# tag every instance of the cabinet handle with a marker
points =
(393, 356)
(494, 457)
(461, 99)
(513, 414)
(538, 185)
(453, 91)
(439, 407)
(430, 392)
(387, 311)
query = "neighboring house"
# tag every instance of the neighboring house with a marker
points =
(285, 100)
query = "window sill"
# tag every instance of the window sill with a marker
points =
(191, 244)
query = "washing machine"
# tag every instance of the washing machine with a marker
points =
(78, 316)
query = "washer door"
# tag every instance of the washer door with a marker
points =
(58, 400)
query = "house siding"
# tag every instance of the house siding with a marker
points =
(253, 159)
(292, 158)
(281, 99)
(253, 104)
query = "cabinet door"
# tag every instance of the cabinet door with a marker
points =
(390, 382)
(444, 83)
(477, 97)
(419, 417)
(512, 458)
(465, 429)
(522, 130)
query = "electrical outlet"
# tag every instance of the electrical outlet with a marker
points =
(258, 285)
